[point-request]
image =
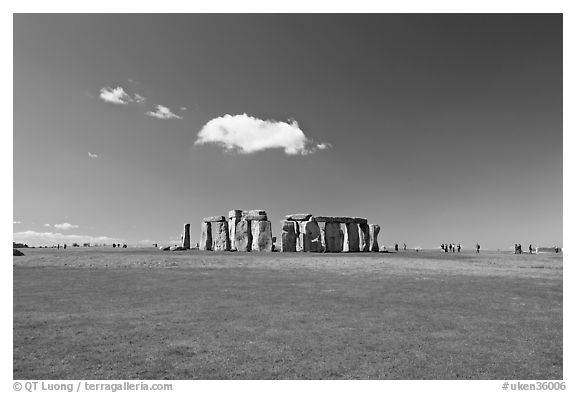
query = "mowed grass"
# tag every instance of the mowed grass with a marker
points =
(146, 314)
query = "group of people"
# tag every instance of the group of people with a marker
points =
(114, 245)
(450, 247)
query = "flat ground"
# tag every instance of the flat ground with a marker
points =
(147, 314)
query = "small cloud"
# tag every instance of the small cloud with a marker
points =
(33, 237)
(16, 222)
(46, 225)
(92, 155)
(65, 226)
(163, 112)
(323, 146)
(183, 108)
(246, 134)
(115, 96)
(139, 99)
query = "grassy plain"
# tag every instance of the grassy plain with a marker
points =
(147, 314)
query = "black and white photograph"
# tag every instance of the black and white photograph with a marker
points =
(287, 196)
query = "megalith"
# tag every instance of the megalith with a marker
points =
(311, 237)
(351, 238)
(289, 235)
(333, 237)
(261, 235)
(221, 239)
(299, 217)
(206, 236)
(254, 215)
(364, 237)
(243, 236)
(233, 218)
(374, 230)
(186, 237)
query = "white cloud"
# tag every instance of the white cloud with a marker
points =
(246, 134)
(139, 99)
(46, 225)
(323, 146)
(115, 96)
(65, 226)
(44, 238)
(183, 108)
(16, 222)
(163, 112)
(92, 155)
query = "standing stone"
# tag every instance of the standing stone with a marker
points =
(332, 236)
(364, 238)
(261, 236)
(232, 222)
(311, 237)
(374, 230)
(235, 214)
(299, 237)
(186, 237)
(221, 239)
(289, 235)
(323, 237)
(206, 236)
(243, 236)
(351, 238)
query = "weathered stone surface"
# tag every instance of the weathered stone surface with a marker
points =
(299, 217)
(176, 248)
(243, 236)
(299, 236)
(322, 237)
(167, 248)
(261, 236)
(221, 240)
(311, 237)
(351, 238)
(232, 222)
(206, 236)
(289, 235)
(333, 237)
(214, 219)
(374, 231)
(186, 237)
(256, 215)
(17, 253)
(339, 219)
(235, 213)
(364, 237)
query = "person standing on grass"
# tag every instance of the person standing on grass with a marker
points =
(477, 248)
(58, 245)
(396, 247)
(459, 247)
(530, 248)
(404, 246)
(64, 245)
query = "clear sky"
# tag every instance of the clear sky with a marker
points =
(440, 128)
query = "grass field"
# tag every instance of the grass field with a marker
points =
(147, 314)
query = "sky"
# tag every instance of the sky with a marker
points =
(439, 128)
